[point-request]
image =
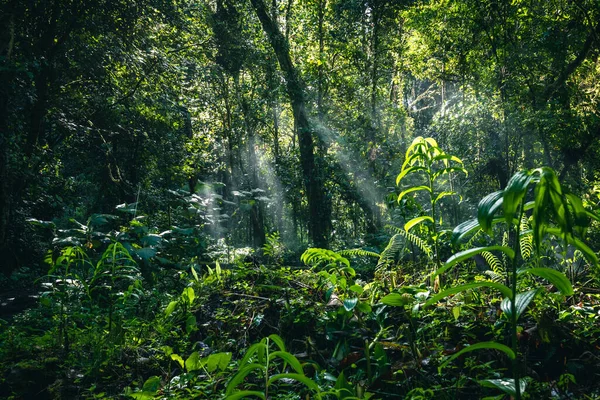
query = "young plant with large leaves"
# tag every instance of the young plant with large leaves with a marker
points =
(554, 213)
(429, 164)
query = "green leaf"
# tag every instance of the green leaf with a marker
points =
(356, 289)
(297, 377)
(447, 171)
(190, 324)
(507, 385)
(364, 307)
(349, 304)
(170, 308)
(412, 189)
(245, 393)
(487, 209)
(457, 289)
(446, 158)
(193, 362)
(189, 295)
(523, 300)
(152, 384)
(256, 348)
(142, 395)
(395, 300)
(217, 360)
(278, 341)
(466, 228)
(409, 170)
(241, 375)
(416, 221)
(466, 254)
(483, 345)
(446, 193)
(288, 358)
(177, 357)
(553, 276)
(514, 192)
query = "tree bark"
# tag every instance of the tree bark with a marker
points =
(313, 181)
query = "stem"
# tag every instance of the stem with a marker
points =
(368, 359)
(513, 307)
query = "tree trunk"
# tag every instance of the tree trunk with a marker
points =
(295, 88)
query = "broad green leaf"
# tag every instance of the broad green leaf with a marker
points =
(241, 375)
(288, 358)
(278, 341)
(487, 208)
(394, 299)
(483, 345)
(466, 254)
(447, 157)
(416, 221)
(409, 170)
(410, 159)
(413, 189)
(356, 289)
(514, 192)
(457, 289)
(349, 304)
(217, 360)
(244, 394)
(177, 357)
(152, 384)
(523, 300)
(189, 295)
(553, 276)
(193, 362)
(507, 385)
(466, 228)
(190, 324)
(430, 141)
(364, 307)
(297, 377)
(170, 308)
(252, 350)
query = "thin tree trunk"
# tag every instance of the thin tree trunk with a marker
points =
(295, 87)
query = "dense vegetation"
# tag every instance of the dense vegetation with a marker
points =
(294, 199)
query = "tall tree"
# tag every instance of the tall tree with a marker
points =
(313, 180)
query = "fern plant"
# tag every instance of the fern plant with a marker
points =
(426, 162)
(553, 212)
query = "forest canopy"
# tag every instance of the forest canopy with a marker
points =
(278, 198)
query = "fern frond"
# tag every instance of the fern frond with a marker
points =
(471, 242)
(315, 256)
(526, 239)
(395, 245)
(494, 262)
(414, 239)
(505, 244)
(359, 253)
(494, 276)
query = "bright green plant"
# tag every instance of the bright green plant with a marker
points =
(428, 164)
(271, 367)
(554, 212)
